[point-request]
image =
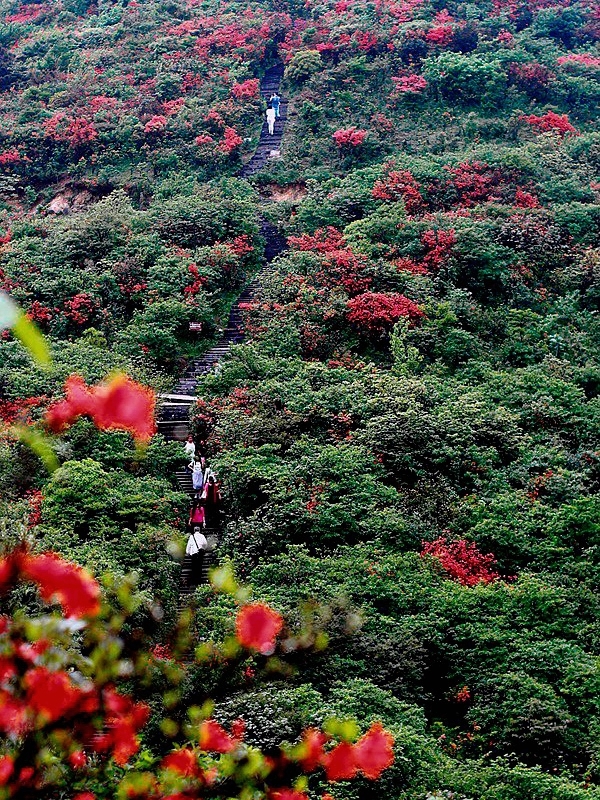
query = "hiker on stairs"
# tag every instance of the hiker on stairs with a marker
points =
(196, 547)
(197, 515)
(275, 101)
(212, 502)
(271, 119)
(197, 469)
(190, 448)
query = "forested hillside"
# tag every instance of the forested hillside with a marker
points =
(407, 433)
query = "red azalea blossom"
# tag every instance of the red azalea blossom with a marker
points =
(6, 769)
(72, 586)
(287, 794)
(121, 403)
(410, 84)
(246, 89)
(156, 124)
(231, 140)
(13, 715)
(550, 121)
(374, 751)
(257, 626)
(340, 763)
(78, 759)
(377, 311)
(124, 719)
(50, 694)
(183, 761)
(214, 738)
(312, 749)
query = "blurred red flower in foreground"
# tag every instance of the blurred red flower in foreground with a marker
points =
(120, 403)
(340, 763)
(374, 751)
(214, 738)
(257, 626)
(71, 586)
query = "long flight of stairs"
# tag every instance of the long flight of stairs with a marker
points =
(268, 146)
(173, 420)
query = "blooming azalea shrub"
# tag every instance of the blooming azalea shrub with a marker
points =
(377, 312)
(462, 561)
(349, 137)
(550, 121)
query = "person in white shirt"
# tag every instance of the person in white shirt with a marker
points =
(196, 547)
(190, 448)
(271, 119)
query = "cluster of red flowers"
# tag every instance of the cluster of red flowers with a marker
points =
(410, 84)
(71, 586)
(400, 185)
(76, 131)
(438, 245)
(10, 156)
(231, 140)
(80, 308)
(587, 59)
(550, 121)
(341, 266)
(370, 755)
(349, 137)
(12, 411)
(246, 90)
(26, 13)
(156, 124)
(378, 312)
(462, 561)
(120, 403)
(39, 699)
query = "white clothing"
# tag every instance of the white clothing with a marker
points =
(197, 475)
(271, 120)
(196, 543)
(190, 449)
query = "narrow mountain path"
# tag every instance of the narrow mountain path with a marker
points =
(173, 420)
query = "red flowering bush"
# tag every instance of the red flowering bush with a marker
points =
(156, 124)
(10, 156)
(231, 140)
(120, 403)
(349, 137)
(585, 59)
(377, 312)
(340, 265)
(550, 121)
(410, 84)
(438, 245)
(462, 561)
(65, 724)
(400, 185)
(246, 90)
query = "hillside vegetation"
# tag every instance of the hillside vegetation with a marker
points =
(409, 433)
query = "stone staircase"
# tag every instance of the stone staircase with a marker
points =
(268, 146)
(173, 418)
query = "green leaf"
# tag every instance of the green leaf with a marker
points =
(37, 442)
(30, 336)
(23, 328)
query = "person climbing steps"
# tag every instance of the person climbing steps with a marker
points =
(270, 113)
